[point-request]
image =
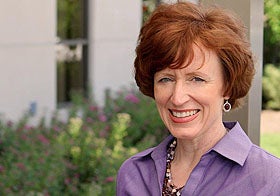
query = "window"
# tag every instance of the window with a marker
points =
(71, 48)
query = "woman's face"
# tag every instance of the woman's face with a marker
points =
(190, 99)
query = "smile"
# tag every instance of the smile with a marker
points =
(184, 114)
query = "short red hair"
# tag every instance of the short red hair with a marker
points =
(167, 38)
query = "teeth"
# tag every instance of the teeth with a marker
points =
(184, 114)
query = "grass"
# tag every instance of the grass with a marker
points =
(271, 143)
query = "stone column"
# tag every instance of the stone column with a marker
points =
(27, 58)
(251, 12)
(113, 31)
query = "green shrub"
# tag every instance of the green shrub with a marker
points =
(146, 127)
(81, 156)
(271, 87)
(30, 161)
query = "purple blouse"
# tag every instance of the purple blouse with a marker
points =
(234, 166)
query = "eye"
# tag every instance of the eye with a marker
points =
(198, 79)
(164, 80)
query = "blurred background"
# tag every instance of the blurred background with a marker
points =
(69, 109)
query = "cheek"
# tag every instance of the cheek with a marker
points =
(208, 99)
(161, 102)
(213, 103)
(161, 95)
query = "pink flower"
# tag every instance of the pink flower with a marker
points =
(131, 98)
(67, 181)
(102, 118)
(110, 179)
(47, 153)
(28, 128)
(43, 139)
(2, 169)
(103, 134)
(77, 175)
(21, 166)
(70, 166)
(41, 160)
(10, 123)
(24, 137)
(56, 128)
(89, 120)
(93, 108)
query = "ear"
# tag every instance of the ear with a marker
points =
(226, 97)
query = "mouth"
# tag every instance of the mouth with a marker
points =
(183, 114)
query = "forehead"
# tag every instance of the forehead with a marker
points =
(201, 58)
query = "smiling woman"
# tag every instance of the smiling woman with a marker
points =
(181, 97)
(195, 62)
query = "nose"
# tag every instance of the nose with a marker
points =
(180, 94)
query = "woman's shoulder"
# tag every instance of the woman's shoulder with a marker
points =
(259, 159)
(157, 152)
(259, 154)
(146, 158)
(134, 160)
(139, 156)
(138, 175)
(131, 172)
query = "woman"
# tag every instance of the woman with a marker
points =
(196, 63)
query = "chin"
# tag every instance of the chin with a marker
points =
(185, 134)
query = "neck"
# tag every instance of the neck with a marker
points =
(195, 148)
(189, 152)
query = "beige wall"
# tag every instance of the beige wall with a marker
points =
(27, 56)
(113, 29)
